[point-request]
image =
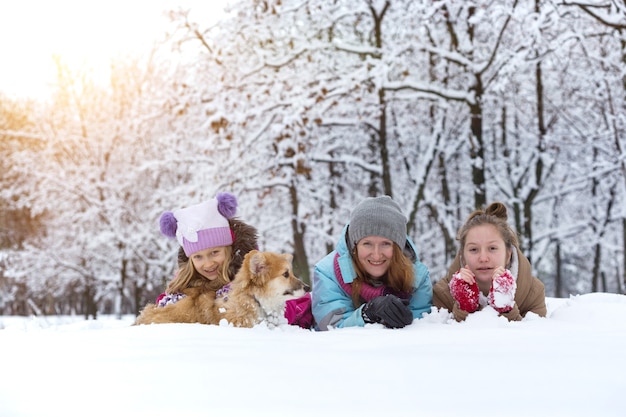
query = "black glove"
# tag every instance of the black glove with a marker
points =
(388, 310)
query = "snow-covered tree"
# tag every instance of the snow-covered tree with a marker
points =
(303, 108)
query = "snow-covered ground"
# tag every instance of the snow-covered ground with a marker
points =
(569, 364)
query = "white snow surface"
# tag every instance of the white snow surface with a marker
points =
(568, 364)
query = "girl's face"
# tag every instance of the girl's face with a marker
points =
(374, 254)
(484, 251)
(209, 262)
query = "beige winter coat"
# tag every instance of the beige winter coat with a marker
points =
(529, 296)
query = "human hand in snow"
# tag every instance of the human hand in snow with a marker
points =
(502, 292)
(464, 289)
(388, 310)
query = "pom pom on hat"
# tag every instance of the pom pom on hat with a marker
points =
(377, 216)
(168, 224)
(227, 205)
(201, 226)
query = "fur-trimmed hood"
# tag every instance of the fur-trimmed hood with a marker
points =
(245, 240)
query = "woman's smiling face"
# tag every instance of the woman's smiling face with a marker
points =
(374, 254)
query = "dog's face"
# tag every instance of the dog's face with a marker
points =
(270, 279)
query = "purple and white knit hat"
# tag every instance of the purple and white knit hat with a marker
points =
(201, 226)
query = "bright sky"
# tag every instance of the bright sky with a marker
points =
(84, 33)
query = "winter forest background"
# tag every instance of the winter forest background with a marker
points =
(301, 108)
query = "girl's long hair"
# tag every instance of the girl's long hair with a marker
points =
(188, 277)
(399, 277)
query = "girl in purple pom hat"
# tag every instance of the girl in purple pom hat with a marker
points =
(213, 244)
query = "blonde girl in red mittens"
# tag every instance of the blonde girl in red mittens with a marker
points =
(490, 270)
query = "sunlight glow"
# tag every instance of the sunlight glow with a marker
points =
(85, 34)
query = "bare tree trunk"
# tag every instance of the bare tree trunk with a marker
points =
(120, 288)
(335, 177)
(477, 147)
(558, 278)
(624, 173)
(623, 286)
(382, 143)
(382, 108)
(599, 227)
(300, 259)
(448, 235)
(138, 297)
(90, 307)
(526, 230)
(595, 276)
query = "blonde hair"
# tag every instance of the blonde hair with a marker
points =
(188, 277)
(399, 277)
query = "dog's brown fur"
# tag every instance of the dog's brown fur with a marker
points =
(258, 293)
(196, 307)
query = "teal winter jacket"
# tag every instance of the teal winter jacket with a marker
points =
(332, 305)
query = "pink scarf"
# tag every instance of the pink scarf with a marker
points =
(368, 291)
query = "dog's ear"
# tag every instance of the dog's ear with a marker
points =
(288, 257)
(259, 266)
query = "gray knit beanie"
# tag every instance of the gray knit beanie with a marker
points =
(377, 216)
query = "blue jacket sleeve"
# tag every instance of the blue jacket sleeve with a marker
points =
(423, 296)
(331, 306)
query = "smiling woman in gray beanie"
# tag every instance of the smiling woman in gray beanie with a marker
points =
(374, 275)
(380, 216)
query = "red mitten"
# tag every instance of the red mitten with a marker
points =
(465, 294)
(502, 292)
